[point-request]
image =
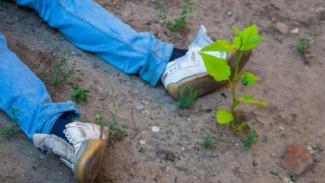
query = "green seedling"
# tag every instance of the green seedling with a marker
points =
(141, 150)
(178, 23)
(11, 128)
(187, 98)
(79, 94)
(250, 138)
(303, 48)
(116, 131)
(207, 141)
(243, 41)
(59, 73)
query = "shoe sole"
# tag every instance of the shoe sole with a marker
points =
(203, 84)
(89, 160)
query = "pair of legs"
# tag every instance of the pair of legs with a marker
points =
(89, 27)
(92, 28)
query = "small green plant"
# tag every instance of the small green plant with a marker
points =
(187, 98)
(11, 128)
(181, 21)
(116, 131)
(59, 73)
(303, 48)
(79, 94)
(250, 138)
(141, 150)
(207, 141)
(244, 40)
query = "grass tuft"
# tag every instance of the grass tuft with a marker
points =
(187, 98)
(59, 73)
(250, 138)
(79, 94)
(207, 141)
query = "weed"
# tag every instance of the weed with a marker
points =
(244, 40)
(11, 128)
(79, 94)
(181, 21)
(177, 24)
(187, 98)
(303, 48)
(141, 150)
(250, 138)
(207, 141)
(115, 104)
(116, 131)
(59, 73)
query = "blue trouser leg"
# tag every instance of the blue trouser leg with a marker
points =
(92, 28)
(24, 97)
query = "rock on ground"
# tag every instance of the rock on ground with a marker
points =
(297, 159)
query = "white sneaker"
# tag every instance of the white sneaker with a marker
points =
(85, 155)
(189, 73)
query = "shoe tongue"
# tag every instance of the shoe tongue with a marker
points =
(217, 54)
(191, 58)
(201, 39)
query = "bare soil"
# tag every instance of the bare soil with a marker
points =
(295, 91)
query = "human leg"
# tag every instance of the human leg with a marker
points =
(24, 97)
(92, 28)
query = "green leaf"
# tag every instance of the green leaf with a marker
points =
(250, 100)
(247, 39)
(248, 79)
(218, 68)
(220, 46)
(224, 117)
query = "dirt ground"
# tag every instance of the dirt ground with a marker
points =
(294, 90)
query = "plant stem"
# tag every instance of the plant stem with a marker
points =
(233, 82)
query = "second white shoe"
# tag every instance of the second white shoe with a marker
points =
(189, 72)
(85, 155)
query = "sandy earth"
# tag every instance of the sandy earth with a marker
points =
(295, 92)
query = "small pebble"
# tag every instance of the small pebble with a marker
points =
(142, 142)
(155, 129)
(282, 28)
(295, 31)
(139, 106)
(310, 149)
